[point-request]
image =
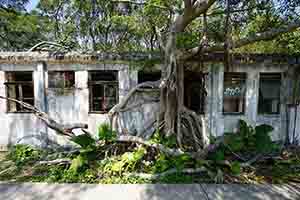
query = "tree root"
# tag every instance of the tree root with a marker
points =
(166, 173)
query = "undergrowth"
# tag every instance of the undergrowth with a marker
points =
(103, 160)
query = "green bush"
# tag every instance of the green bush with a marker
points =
(22, 154)
(106, 133)
(250, 139)
(170, 141)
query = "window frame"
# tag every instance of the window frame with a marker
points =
(92, 83)
(244, 77)
(198, 78)
(64, 86)
(19, 85)
(279, 98)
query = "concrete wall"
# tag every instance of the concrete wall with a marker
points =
(221, 123)
(73, 105)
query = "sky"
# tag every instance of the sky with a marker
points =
(32, 4)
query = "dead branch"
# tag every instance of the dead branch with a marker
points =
(202, 153)
(168, 172)
(160, 147)
(64, 161)
(65, 130)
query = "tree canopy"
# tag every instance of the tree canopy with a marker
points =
(131, 25)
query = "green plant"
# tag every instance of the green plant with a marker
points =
(159, 138)
(21, 154)
(127, 162)
(254, 139)
(106, 133)
(84, 140)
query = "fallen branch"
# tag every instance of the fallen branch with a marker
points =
(12, 168)
(166, 173)
(169, 151)
(64, 161)
(160, 147)
(251, 161)
(61, 129)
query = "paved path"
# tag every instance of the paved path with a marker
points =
(41, 191)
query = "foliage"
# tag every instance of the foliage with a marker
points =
(159, 138)
(250, 139)
(105, 132)
(84, 140)
(127, 162)
(22, 154)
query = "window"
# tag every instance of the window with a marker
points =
(194, 91)
(103, 87)
(269, 93)
(58, 79)
(234, 93)
(19, 86)
(148, 76)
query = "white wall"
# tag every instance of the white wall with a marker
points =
(73, 106)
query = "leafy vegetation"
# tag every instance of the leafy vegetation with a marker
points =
(113, 162)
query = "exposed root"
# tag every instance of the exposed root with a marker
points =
(193, 130)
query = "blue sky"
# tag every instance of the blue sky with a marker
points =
(32, 4)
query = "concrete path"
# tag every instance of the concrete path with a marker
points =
(41, 191)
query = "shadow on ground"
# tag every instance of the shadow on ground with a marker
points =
(29, 191)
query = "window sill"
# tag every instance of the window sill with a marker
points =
(19, 112)
(233, 114)
(277, 115)
(98, 112)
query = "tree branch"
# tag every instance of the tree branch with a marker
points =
(268, 35)
(61, 129)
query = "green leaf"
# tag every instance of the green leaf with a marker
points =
(236, 168)
(77, 163)
(84, 140)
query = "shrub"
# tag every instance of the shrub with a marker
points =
(105, 132)
(22, 154)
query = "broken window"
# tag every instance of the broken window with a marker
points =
(61, 79)
(234, 93)
(269, 93)
(148, 76)
(104, 92)
(19, 86)
(194, 91)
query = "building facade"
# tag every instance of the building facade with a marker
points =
(75, 88)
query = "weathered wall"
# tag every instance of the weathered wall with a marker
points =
(73, 105)
(221, 123)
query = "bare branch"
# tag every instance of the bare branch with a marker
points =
(65, 161)
(61, 129)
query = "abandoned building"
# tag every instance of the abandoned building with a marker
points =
(82, 88)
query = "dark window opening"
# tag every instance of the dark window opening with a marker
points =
(269, 93)
(148, 76)
(63, 80)
(194, 91)
(19, 86)
(234, 93)
(103, 90)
